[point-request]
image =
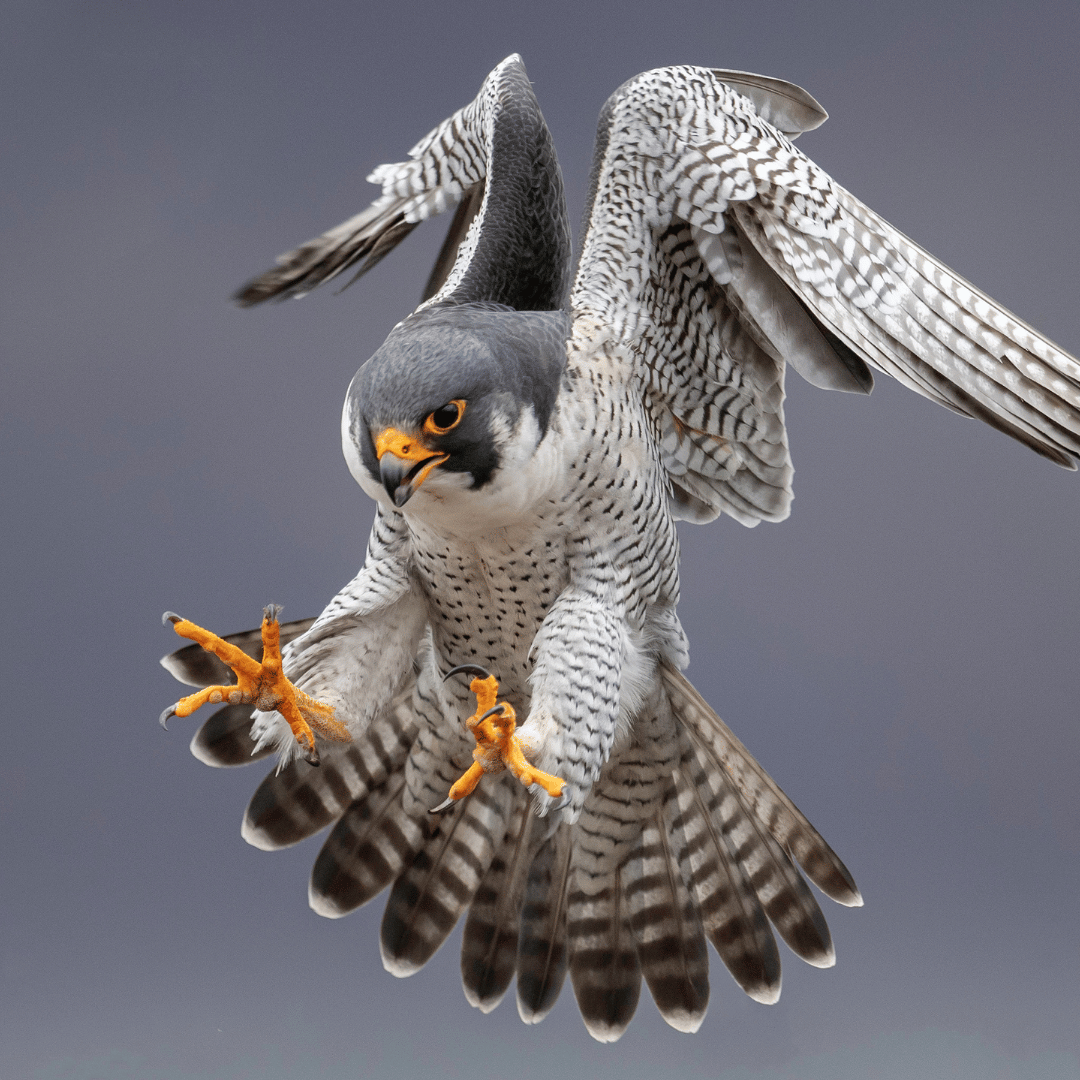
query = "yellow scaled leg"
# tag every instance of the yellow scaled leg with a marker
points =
(263, 686)
(497, 748)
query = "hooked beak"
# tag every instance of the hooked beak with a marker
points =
(404, 463)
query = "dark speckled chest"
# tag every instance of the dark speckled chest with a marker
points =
(487, 600)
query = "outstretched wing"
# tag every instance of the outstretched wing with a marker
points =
(509, 240)
(716, 253)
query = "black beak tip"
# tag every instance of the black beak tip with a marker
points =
(394, 474)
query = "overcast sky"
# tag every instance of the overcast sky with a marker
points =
(900, 654)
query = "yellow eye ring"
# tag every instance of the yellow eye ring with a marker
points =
(452, 410)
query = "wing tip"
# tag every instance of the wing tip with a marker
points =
(785, 105)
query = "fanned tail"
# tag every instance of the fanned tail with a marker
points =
(683, 839)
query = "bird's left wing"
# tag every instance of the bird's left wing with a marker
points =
(715, 253)
(509, 240)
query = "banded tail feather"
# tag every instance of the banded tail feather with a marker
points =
(297, 801)
(542, 952)
(784, 895)
(731, 914)
(489, 944)
(367, 850)
(430, 895)
(765, 864)
(666, 920)
(605, 970)
(225, 741)
(759, 792)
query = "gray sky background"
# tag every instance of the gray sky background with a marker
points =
(900, 654)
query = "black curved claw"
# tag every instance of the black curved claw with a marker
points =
(163, 719)
(170, 617)
(271, 613)
(445, 805)
(468, 669)
(312, 756)
(492, 711)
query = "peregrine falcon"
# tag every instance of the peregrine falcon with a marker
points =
(531, 433)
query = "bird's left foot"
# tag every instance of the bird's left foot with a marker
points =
(497, 747)
(263, 686)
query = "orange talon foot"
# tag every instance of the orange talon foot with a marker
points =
(497, 747)
(263, 686)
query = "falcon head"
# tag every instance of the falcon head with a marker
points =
(457, 399)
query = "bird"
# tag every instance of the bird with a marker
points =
(492, 716)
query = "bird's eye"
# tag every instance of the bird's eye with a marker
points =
(446, 417)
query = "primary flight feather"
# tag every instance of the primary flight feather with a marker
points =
(530, 437)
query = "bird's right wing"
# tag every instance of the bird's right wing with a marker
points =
(509, 240)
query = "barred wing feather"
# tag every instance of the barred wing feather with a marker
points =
(509, 241)
(716, 253)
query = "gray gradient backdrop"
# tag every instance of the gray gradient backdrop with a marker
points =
(901, 654)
